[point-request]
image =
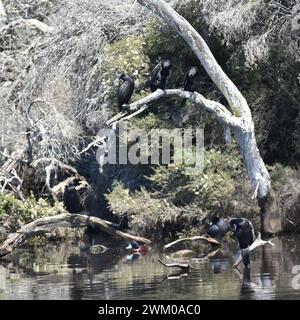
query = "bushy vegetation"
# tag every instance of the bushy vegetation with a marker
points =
(68, 75)
(173, 196)
(27, 211)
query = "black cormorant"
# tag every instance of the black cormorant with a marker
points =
(217, 228)
(125, 91)
(160, 75)
(191, 81)
(72, 200)
(243, 230)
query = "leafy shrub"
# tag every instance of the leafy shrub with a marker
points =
(152, 215)
(175, 201)
(29, 210)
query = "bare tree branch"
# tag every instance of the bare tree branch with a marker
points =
(223, 115)
(33, 23)
(196, 238)
(257, 243)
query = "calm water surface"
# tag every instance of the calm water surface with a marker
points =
(72, 272)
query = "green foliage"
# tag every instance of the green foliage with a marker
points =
(280, 175)
(207, 189)
(29, 210)
(37, 241)
(148, 122)
(149, 214)
(175, 201)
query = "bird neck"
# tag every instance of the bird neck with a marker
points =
(127, 79)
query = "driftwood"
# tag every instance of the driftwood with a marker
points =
(257, 243)
(196, 238)
(182, 266)
(42, 226)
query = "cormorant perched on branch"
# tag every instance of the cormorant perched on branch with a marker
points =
(72, 198)
(125, 91)
(190, 82)
(243, 230)
(217, 228)
(160, 75)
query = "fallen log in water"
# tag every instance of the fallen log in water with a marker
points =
(45, 225)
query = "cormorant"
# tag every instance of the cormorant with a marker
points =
(160, 75)
(190, 82)
(125, 91)
(72, 198)
(243, 230)
(217, 228)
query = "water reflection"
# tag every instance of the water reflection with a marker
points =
(73, 271)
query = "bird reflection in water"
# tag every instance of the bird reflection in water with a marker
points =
(219, 265)
(137, 250)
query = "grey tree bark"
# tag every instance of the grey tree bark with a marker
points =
(238, 118)
(2, 10)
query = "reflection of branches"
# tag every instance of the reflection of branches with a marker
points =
(182, 266)
(176, 275)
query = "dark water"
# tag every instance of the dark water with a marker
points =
(73, 272)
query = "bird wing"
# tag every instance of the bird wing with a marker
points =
(125, 91)
(185, 80)
(156, 72)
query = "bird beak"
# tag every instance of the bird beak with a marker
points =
(233, 229)
(116, 81)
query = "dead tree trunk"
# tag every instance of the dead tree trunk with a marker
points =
(240, 112)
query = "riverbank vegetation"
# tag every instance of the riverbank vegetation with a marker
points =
(58, 62)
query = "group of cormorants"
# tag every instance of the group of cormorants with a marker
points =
(242, 229)
(158, 80)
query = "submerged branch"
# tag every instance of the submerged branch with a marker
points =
(182, 266)
(208, 240)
